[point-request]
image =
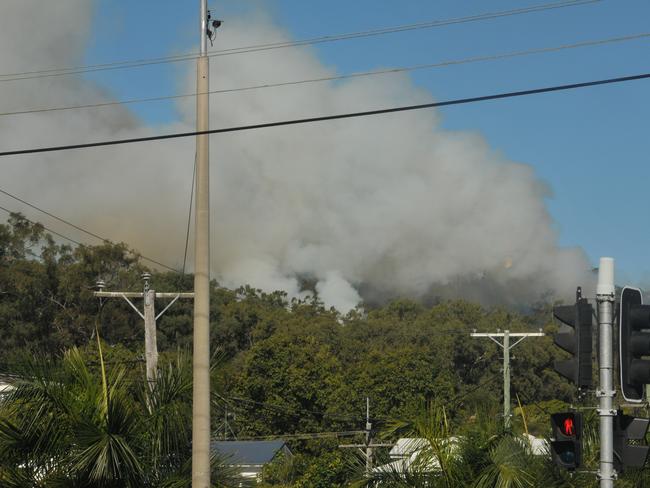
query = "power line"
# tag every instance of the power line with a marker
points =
(67, 238)
(454, 401)
(53, 216)
(347, 115)
(297, 411)
(300, 436)
(388, 71)
(189, 217)
(10, 212)
(532, 402)
(284, 44)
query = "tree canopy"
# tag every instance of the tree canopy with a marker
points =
(281, 367)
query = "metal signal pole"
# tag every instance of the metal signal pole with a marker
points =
(605, 300)
(201, 351)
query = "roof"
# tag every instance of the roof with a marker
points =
(538, 447)
(406, 453)
(248, 452)
(406, 446)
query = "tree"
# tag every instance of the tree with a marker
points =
(66, 426)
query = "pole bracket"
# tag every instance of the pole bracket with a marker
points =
(601, 477)
(606, 412)
(605, 393)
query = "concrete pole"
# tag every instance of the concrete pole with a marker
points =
(506, 380)
(150, 344)
(605, 300)
(368, 440)
(201, 355)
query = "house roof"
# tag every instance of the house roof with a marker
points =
(406, 446)
(405, 454)
(248, 452)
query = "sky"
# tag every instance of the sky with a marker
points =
(590, 146)
(587, 148)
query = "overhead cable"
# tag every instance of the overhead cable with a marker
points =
(65, 237)
(285, 44)
(387, 71)
(62, 236)
(323, 118)
(299, 436)
(297, 410)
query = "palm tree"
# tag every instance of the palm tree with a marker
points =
(66, 426)
(479, 455)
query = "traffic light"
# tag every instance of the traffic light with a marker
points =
(628, 428)
(634, 344)
(576, 341)
(566, 443)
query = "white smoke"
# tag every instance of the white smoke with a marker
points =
(371, 207)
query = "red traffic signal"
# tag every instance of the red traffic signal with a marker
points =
(566, 443)
(568, 426)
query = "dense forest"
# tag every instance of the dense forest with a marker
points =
(85, 416)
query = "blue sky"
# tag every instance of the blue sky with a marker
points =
(590, 146)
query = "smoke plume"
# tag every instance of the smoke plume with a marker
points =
(366, 209)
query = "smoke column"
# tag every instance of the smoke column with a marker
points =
(367, 209)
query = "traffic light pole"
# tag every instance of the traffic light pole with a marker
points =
(605, 300)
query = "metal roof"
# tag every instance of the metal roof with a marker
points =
(248, 452)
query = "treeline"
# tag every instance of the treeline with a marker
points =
(281, 366)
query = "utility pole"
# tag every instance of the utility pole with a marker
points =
(605, 300)
(367, 447)
(148, 315)
(201, 333)
(506, 335)
(226, 424)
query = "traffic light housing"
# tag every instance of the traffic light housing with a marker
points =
(574, 337)
(634, 343)
(628, 428)
(566, 443)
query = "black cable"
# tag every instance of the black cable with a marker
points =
(53, 216)
(297, 411)
(47, 229)
(279, 45)
(302, 436)
(529, 402)
(62, 236)
(454, 401)
(332, 117)
(387, 71)
(189, 217)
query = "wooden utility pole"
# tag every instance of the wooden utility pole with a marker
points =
(148, 315)
(506, 335)
(367, 447)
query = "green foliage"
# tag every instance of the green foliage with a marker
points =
(65, 425)
(284, 367)
(327, 471)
